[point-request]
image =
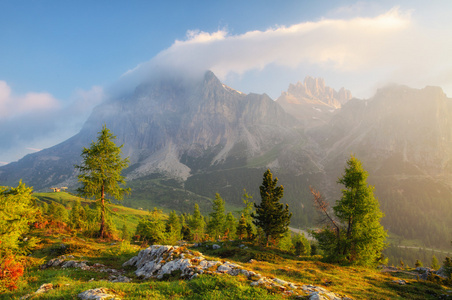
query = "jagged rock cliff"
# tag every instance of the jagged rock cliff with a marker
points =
(312, 102)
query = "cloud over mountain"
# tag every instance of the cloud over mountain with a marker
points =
(389, 46)
(37, 120)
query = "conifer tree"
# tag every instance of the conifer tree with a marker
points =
(100, 173)
(357, 237)
(17, 210)
(77, 217)
(173, 228)
(217, 217)
(197, 224)
(271, 215)
(230, 225)
(435, 263)
(241, 227)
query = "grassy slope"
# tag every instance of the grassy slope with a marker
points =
(122, 215)
(356, 282)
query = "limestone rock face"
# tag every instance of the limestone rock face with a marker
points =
(159, 261)
(312, 102)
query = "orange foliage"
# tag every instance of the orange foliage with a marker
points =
(10, 272)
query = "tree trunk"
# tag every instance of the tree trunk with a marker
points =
(102, 214)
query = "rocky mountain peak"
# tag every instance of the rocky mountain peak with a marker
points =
(313, 102)
(314, 91)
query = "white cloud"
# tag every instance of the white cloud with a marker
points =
(13, 105)
(35, 121)
(388, 46)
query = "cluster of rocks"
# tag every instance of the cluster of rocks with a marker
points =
(97, 294)
(158, 261)
(425, 272)
(67, 261)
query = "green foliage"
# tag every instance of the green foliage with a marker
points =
(77, 217)
(230, 225)
(271, 216)
(418, 263)
(241, 227)
(285, 242)
(100, 173)
(301, 244)
(17, 210)
(435, 263)
(125, 236)
(173, 228)
(447, 264)
(216, 224)
(152, 228)
(360, 238)
(197, 225)
(58, 212)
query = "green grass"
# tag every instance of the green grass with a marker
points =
(355, 282)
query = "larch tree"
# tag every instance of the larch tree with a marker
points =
(100, 173)
(271, 216)
(355, 235)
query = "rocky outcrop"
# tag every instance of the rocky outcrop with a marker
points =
(98, 294)
(159, 261)
(66, 261)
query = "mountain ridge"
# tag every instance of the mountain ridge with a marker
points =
(211, 138)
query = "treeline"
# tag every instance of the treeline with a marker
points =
(401, 256)
(216, 226)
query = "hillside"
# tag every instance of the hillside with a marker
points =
(189, 138)
(103, 261)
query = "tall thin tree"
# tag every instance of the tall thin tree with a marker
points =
(100, 173)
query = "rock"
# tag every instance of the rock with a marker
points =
(251, 261)
(120, 278)
(424, 270)
(215, 246)
(317, 296)
(441, 272)
(157, 261)
(400, 281)
(44, 288)
(279, 281)
(96, 294)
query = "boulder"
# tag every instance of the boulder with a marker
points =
(97, 294)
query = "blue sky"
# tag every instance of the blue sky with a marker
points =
(58, 59)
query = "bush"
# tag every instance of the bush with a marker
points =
(10, 272)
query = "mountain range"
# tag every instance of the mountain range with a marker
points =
(188, 138)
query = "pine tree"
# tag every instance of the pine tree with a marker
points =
(217, 218)
(125, 233)
(357, 237)
(100, 173)
(230, 225)
(197, 224)
(241, 227)
(271, 216)
(435, 263)
(173, 228)
(77, 217)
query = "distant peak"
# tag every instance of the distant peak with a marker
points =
(314, 91)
